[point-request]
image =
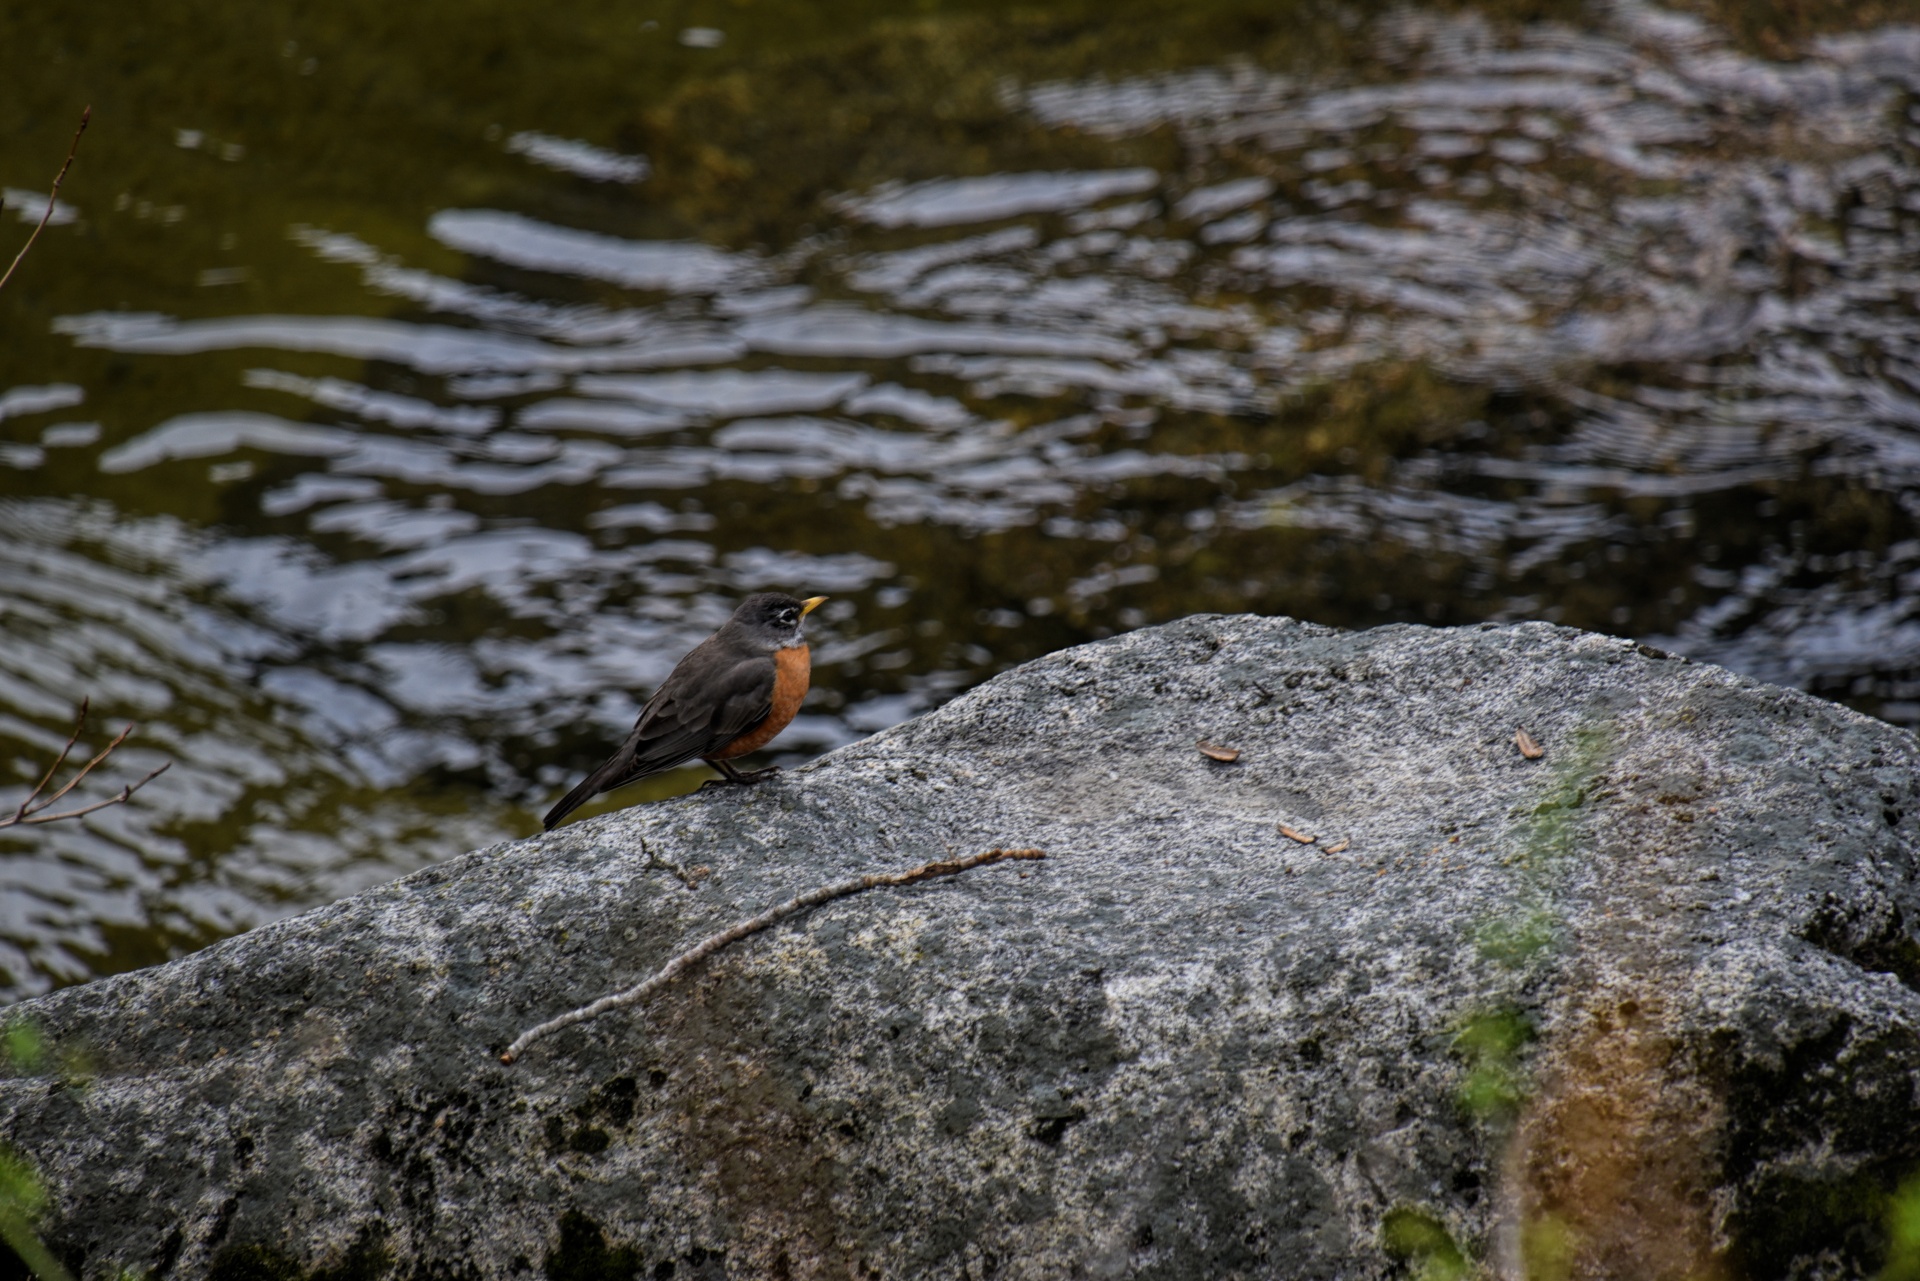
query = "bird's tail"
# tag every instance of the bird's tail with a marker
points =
(604, 779)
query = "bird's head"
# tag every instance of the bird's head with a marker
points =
(774, 619)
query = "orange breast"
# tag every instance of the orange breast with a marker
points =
(792, 672)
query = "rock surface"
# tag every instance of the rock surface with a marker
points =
(1648, 1004)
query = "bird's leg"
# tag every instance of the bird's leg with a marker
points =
(730, 775)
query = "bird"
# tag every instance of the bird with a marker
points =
(728, 696)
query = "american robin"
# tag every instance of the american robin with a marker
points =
(729, 696)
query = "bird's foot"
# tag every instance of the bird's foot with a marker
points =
(733, 777)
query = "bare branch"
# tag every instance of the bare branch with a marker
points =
(79, 724)
(124, 793)
(33, 809)
(52, 198)
(714, 942)
(84, 771)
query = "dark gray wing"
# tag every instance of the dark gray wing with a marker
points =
(712, 696)
(691, 718)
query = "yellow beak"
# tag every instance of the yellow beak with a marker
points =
(808, 605)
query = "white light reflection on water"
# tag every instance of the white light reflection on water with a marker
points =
(494, 526)
(570, 155)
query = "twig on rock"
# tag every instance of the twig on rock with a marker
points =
(33, 809)
(714, 942)
(689, 877)
(52, 198)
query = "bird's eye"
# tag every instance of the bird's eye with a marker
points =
(788, 616)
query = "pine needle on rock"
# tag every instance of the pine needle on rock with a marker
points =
(714, 942)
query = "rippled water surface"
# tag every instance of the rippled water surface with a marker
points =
(396, 396)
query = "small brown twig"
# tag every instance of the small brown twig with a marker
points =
(714, 942)
(33, 809)
(52, 198)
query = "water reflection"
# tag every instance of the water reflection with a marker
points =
(1610, 325)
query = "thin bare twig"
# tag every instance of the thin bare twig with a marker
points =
(116, 799)
(714, 942)
(52, 198)
(32, 806)
(33, 809)
(79, 724)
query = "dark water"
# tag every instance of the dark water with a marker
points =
(399, 393)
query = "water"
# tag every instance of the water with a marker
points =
(394, 402)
